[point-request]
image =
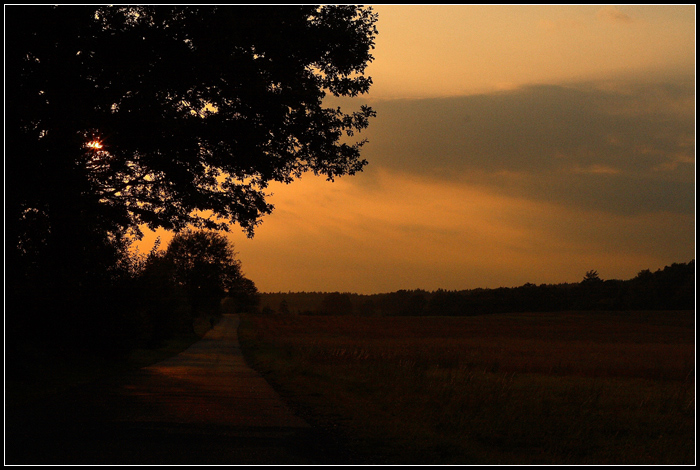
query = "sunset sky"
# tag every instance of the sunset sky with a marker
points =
(512, 144)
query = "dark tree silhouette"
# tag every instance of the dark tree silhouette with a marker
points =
(284, 307)
(168, 116)
(591, 277)
(336, 303)
(154, 114)
(205, 266)
(243, 296)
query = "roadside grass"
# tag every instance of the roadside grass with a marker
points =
(562, 388)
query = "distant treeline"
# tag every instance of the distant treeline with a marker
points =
(671, 288)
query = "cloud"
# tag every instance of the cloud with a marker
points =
(596, 169)
(538, 184)
(613, 15)
(413, 231)
(623, 149)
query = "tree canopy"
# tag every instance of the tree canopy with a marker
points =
(119, 116)
(172, 116)
(204, 264)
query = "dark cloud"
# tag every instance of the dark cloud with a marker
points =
(626, 149)
(613, 15)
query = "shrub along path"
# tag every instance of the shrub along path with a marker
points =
(203, 406)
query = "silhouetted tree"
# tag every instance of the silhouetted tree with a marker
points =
(367, 308)
(591, 277)
(204, 264)
(154, 114)
(284, 307)
(162, 303)
(244, 295)
(167, 116)
(671, 288)
(336, 303)
(447, 303)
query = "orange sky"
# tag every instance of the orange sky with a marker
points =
(513, 144)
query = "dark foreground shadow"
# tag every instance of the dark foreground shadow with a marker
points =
(204, 406)
(171, 444)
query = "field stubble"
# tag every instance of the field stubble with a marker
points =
(564, 388)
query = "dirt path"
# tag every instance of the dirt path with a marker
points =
(203, 406)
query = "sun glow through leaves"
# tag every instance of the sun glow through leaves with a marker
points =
(94, 145)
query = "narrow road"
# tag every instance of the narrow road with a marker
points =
(203, 406)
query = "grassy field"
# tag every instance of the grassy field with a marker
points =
(534, 388)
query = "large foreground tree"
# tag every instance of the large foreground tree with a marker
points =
(168, 116)
(172, 116)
